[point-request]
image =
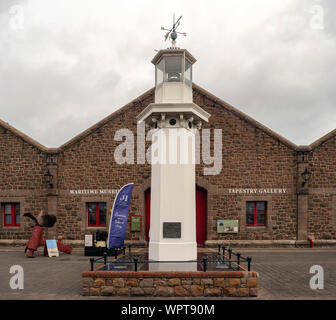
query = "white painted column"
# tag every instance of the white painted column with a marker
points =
(173, 194)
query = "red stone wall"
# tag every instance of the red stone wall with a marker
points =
(171, 284)
(21, 172)
(322, 191)
(251, 158)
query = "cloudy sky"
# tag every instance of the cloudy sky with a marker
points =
(64, 65)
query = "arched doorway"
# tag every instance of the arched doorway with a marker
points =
(201, 214)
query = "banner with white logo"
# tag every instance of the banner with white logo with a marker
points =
(118, 222)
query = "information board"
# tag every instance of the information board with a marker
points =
(227, 226)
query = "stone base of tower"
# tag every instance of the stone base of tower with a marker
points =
(178, 251)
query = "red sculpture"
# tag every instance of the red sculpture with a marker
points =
(37, 239)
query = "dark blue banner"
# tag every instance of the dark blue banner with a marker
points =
(119, 217)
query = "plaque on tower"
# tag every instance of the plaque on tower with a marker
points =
(172, 230)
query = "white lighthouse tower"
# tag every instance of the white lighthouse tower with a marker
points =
(174, 119)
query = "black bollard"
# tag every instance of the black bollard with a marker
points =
(129, 249)
(205, 264)
(105, 257)
(249, 263)
(223, 248)
(92, 262)
(238, 260)
(230, 253)
(136, 264)
(219, 247)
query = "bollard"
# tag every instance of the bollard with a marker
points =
(230, 255)
(136, 264)
(92, 262)
(105, 257)
(129, 249)
(249, 263)
(124, 250)
(219, 249)
(238, 260)
(205, 264)
(223, 248)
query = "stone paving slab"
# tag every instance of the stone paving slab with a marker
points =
(284, 274)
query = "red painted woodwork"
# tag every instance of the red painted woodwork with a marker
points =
(201, 214)
(201, 209)
(256, 213)
(99, 214)
(147, 205)
(14, 215)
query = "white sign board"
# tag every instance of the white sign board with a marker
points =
(52, 248)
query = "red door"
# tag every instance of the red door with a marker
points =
(201, 213)
(201, 209)
(147, 208)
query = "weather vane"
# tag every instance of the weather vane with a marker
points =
(172, 32)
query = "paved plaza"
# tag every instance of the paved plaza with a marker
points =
(284, 273)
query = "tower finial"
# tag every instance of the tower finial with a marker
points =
(172, 32)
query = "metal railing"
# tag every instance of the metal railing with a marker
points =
(224, 256)
(239, 257)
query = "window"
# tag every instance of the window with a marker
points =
(11, 214)
(256, 213)
(187, 73)
(96, 214)
(159, 72)
(173, 68)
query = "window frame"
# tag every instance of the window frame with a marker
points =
(97, 225)
(13, 214)
(255, 214)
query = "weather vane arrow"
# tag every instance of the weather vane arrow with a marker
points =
(173, 31)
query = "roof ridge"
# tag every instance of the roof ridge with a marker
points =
(102, 122)
(244, 116)
(209, 95)
(26, 138)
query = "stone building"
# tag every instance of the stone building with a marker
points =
(279, 193)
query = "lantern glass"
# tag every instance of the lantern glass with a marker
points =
(173, 69)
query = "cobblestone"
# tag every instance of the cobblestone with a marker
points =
(284, 274)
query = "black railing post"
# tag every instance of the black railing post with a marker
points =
(91, 262)
(129, 249)
(205, 264)
(249, 263)
(238, 260)
(124, 250)
(105, 257)
(223, 248)
(219, 247)
(230, 255)
(136, 264)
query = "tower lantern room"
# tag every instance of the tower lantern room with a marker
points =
(173, 76)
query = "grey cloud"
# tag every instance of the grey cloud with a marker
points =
(57, 79)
